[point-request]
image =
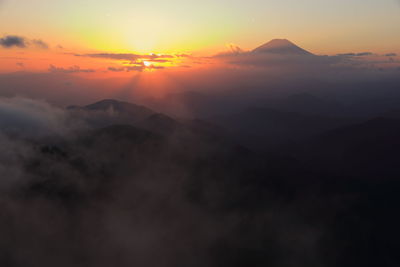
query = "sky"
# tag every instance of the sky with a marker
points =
(166, 44)
(323, 26)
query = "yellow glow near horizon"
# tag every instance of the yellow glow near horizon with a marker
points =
(147, 64)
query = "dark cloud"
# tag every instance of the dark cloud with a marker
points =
(391, 55)
(127, 68)
(40, 44)
(136, 66)
(111, 56)
(113, 69)
(10, 41)
(133, 57)
(73, 69)
(232, 50)
(13, 41)
(364, 54)
(235, 49)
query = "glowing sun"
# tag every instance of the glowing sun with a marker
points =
(147, 64)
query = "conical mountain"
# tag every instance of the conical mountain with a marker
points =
(281, 47)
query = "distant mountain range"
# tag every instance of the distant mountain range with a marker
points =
(111, 112)
(261, 127)
(256, 127)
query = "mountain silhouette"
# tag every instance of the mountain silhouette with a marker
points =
(111, 105)
(281, 47)
(109, 112)
(309, 104)
(262, 127)
(368, 149)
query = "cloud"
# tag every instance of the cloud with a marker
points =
(391, 55)
(12, 154)
(113, 69)
(298, 62)
(23, 120)
(136, 66)
(13, 41)
(73, 69)
(232, 50)
(235, 48)
(40, 44)
(31, 118)
(133, 57)
(20, 64)
(183, 55)
(276, 60)
(363, 54)
(111, 56)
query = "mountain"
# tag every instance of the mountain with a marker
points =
(368, 149)
(109, 112)
(160, 123)
(306, 103)
(281, 47)
(124, 195)
(392, 114)
(260, 127)
(137, 112)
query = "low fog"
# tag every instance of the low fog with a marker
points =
(124, 195)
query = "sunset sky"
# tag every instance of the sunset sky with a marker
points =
(323, 26)
(79, 36)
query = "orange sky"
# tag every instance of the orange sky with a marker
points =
(59, 30)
